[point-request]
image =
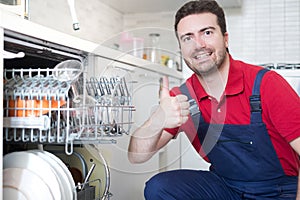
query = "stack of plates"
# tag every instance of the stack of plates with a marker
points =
(36, 174)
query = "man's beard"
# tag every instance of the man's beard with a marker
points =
(207, 67)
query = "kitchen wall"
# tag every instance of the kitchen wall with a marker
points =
(265, 31)
(97, 21)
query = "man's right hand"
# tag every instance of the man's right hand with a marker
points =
(150, 137)
(173, 111)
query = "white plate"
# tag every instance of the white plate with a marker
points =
(39, 166)
(10, 193)
(27, 182)
(65, 176)
(67, 172)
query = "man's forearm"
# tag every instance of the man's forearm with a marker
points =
(143, 142)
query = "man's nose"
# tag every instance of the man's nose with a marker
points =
(200, 42)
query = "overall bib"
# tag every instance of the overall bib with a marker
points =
(244, 164)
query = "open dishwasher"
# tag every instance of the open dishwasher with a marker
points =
(49, 98)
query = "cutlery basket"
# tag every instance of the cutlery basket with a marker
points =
(88, 193)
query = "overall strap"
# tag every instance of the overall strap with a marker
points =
(255, 101)
(194, 109)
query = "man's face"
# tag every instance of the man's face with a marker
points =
(202, 43)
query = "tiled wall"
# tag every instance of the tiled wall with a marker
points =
(265, 31)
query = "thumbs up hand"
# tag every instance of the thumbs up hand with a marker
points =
(173, 111)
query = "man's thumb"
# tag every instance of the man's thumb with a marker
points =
(165, 88)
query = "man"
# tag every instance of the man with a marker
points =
(249, 124)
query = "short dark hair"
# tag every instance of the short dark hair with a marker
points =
(202, 6)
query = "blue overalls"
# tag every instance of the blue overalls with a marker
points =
(244, 164)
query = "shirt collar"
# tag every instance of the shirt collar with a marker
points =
(235, 83)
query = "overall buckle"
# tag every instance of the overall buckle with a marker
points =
(255, 103)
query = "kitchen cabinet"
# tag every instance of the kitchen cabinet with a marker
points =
(127, 180)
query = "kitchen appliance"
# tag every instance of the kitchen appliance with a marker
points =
(43, 105)
(46, 102)
(289, 71)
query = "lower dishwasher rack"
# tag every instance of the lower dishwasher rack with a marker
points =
(39, 108)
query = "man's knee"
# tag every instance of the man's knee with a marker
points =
(157, 187)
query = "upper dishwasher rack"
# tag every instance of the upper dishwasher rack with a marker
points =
(39, 108)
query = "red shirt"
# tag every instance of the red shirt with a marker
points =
(280, 109)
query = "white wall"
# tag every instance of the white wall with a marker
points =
(98, 22)
(265, 31)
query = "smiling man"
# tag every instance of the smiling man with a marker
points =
(244, 127)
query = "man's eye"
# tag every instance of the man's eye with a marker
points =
(207, 32)
(186, 39)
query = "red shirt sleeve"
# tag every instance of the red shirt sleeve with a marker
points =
(281, 106)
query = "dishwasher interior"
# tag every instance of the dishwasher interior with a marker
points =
(50, 98)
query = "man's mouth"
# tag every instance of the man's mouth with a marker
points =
(202, 56)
